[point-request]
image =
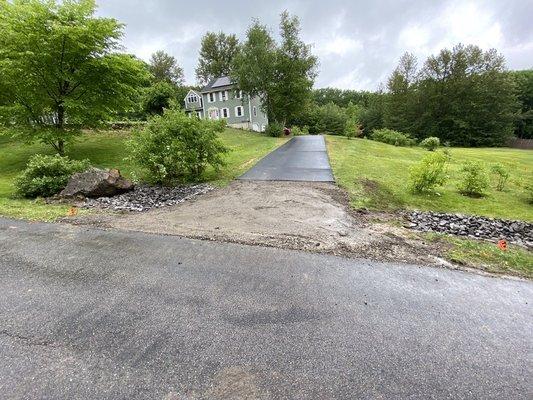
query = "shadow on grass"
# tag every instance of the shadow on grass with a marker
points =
(379, 196)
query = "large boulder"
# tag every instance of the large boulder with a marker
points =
(95, 183)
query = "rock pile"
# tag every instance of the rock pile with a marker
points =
(519, 232)
(144, 198)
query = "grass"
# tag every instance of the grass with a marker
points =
(376, 175)
(106, 150)
(479, 254)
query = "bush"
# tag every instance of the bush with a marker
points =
(502, 175)
(297, 131)
(353, 129)
(429, 173)
(175, 148)
(45, 176)
(475, 179)
(274, 129)
(431, 143)
(329, 118)
(392, 137)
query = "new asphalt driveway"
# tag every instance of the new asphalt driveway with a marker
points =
(303, 158)
(93, 314)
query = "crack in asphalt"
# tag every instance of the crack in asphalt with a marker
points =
(27, 340)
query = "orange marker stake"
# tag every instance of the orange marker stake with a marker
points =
(502, 244)
(72, 211)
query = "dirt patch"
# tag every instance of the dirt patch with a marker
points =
(291, 215)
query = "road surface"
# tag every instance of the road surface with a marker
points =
(303, 158)
(93, 314)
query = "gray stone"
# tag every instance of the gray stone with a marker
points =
(96, 183)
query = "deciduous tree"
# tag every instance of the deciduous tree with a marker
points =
(165, 68)
(216, 56)
(61, 68)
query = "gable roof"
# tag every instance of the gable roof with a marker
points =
(192, 91)
(220, 83)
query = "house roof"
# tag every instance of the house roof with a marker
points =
(217, 84)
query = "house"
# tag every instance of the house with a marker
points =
(221, 99)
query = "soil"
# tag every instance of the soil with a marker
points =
(292, 215)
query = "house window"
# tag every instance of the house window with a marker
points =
(199, 114)
(192, 98)
(223, 95)
(211, 97)
(239, 111)
(238, 94)
(225, 112)
(255, 111)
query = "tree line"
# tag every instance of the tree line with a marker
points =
(61, 69)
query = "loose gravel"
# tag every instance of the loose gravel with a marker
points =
(144, 198)
(519, 232)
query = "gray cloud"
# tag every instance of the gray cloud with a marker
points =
(358, 42)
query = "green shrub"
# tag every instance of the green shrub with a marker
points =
(274, 129)
(297, 131)
(353, 129)
(328, 118)
(45, 175)
(474, 179)
(502, 176)
(431, 143)
(429, 173)
(175, 148)
(392, 137)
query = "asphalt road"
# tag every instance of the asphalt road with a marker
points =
(91, 314)
(303, 158)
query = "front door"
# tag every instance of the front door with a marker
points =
(213, 113)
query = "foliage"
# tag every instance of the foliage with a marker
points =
(390, 136)
(274, 129)
(371, 117)
(174, 147)
(216, 56)
(105, 149)
(46, 175)
(165, 68)
(429, 173)
(60, 69)
(502, 176)
(357, 160)
(340, 97)
(281, 75)
(353, 129)
(464, 96)
(524, 120)
(329, 118)
(158, 97)
(474, 179)
(401, 103)
(431, 143)
(299, 131)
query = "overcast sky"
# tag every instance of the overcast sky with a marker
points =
(358, 42)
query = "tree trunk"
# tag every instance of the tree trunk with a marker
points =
(60, 124)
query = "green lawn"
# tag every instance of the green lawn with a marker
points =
(107, 149)
(376, 175)
(480, 254)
